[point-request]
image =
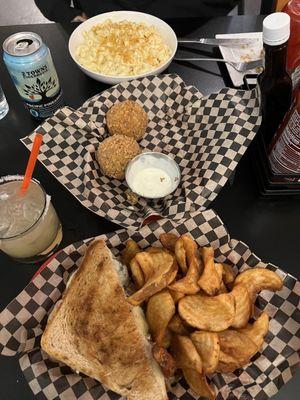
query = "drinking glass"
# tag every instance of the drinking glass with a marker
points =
(3, 104)
(30, 229)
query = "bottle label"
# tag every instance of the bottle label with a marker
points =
(296, 77)
(285, 156)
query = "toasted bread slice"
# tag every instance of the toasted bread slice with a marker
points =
(96, 331)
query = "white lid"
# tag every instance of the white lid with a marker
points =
(276, 28)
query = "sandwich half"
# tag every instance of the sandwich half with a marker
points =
(96, 331)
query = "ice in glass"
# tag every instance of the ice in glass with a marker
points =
(29, 226)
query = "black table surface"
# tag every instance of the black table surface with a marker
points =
(269, 226)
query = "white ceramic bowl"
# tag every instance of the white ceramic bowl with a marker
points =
(162, 28)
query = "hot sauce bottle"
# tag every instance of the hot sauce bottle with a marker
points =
(293, 60)
(284, 154)
(274, 82)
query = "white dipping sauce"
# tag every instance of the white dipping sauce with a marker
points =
(152, 175)
(151, 182)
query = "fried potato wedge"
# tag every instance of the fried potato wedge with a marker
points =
(130, 251)
(164, 360)
(237, 345)
(198, 384)
(210, 280)
(223, 288)
(208, 346)
(146, 263)
(257, 279)
(185, 353)
(137, 273)
(181, 255)
(228, 274)
(188, 284)
(243, 306)
(258, 330)
(178, 326)
(192, 252)
(164, 272)
(226, 363)
(160, 310)
(155, 250)
(165, 341)
(176, 295)
(168, 241)
(208, 313)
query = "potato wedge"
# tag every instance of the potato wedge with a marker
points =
(208, 346)
(192, 252)
(130, 251)
(210, 280)
(181, 255)
(228, 274)
(176, 295)
(257, 279)
(137, 273)
(160, 310)
(188, 284)
(198, 384)
(166, 339)
(243, 306)
(164, 272)
(178, 326)
(237, 345)
(146, 262)
(168, 241)
(226, 363)
(165, 360)
(258, 330)
(155, 250)
(208, 313)
(223, 288)
(185, 353)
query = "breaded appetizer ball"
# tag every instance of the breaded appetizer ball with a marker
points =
(127, 118)
(114, 153)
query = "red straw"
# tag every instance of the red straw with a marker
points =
(31, 162)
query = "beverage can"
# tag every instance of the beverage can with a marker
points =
(31, 68)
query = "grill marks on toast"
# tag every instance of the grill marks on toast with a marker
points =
(96, 332)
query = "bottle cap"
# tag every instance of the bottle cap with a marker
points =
(276, 28)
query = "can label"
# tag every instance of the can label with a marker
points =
(38, 85)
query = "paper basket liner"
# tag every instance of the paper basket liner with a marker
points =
(206, 136)
(23, 320)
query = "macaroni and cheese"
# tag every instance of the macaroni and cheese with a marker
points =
(122, 49)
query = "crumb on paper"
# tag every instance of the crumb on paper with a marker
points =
(132, 197)
(245, 57)
(162, 178)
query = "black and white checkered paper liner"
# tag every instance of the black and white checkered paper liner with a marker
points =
(23, 320)
(206, 136)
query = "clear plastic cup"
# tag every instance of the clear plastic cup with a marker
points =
(30, 229)
(3, 104)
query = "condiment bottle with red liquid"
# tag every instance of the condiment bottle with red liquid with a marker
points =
(284, 155)
(293, 58)
(274, 82)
